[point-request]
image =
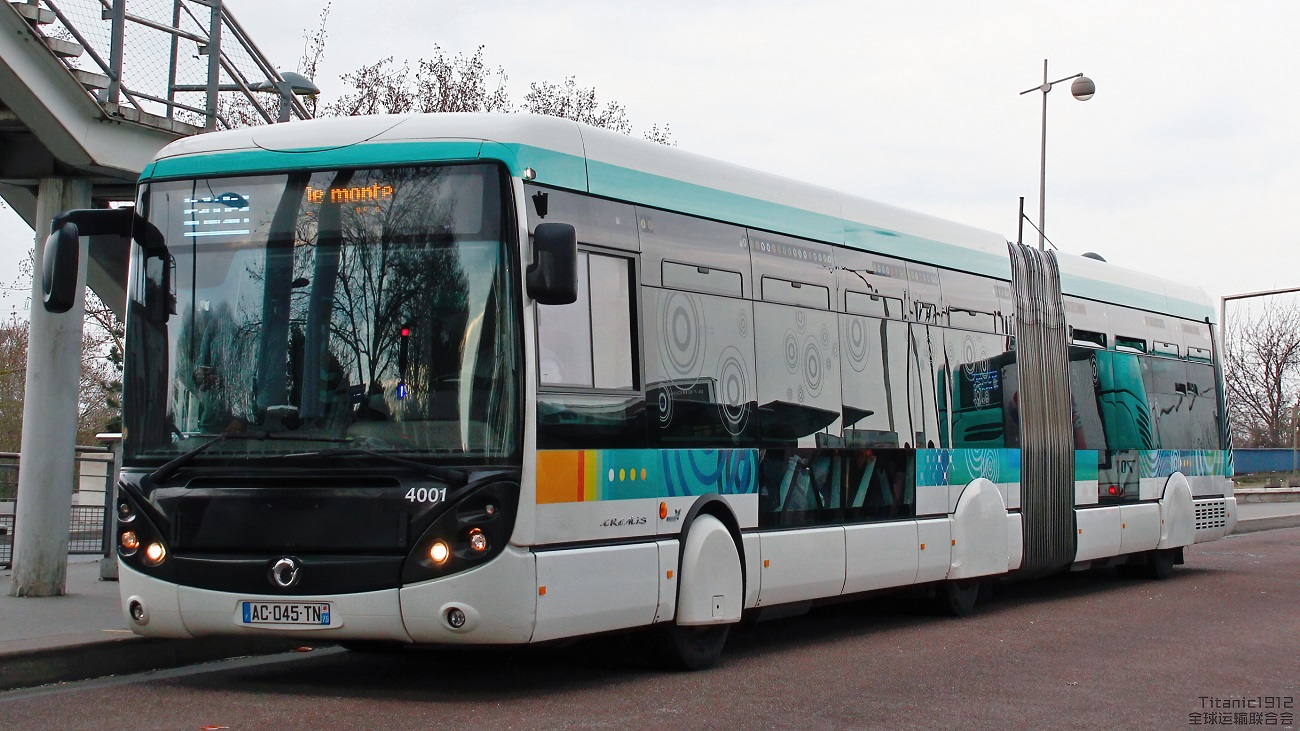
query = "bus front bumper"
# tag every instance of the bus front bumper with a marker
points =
(493, 604)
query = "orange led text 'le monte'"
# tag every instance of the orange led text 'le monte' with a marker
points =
(350, 195)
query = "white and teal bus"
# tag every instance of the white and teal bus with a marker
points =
(475, 379)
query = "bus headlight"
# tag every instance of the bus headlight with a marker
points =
(140, 542)
(439, 552)
(468, 532)
(478, 542)
(155, 553)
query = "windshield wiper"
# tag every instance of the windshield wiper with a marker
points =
(169, 468)
(453, 477)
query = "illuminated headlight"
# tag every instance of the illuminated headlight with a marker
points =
(129, 543)
(154, 553)
(439, 552)
(478, 541)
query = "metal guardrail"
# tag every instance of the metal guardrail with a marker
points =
(6, 541)
(89, 528)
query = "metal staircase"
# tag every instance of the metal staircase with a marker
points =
(184, 66)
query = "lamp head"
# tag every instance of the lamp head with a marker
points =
(302, 85)
(293, 82)
(1083, 88)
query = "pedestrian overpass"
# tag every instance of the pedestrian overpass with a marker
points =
(84, 107)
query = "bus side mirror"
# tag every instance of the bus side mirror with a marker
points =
(59, 268)
(553, 275)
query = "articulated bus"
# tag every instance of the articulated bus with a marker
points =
(496, 379)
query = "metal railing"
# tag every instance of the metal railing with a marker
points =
(89, 528)
(172, 59)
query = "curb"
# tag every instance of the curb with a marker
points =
(1258, 524)
(96, 659)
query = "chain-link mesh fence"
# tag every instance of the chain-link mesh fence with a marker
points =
(164, 68)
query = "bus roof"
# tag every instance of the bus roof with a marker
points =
(566, 154)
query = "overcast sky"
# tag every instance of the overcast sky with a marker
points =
(1186, 163)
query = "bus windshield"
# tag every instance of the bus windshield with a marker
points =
(350, 309)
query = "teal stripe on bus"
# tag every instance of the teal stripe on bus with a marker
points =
(942, 467)
(248, 162)
(1155, 301)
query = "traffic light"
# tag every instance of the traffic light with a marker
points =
(404, 343)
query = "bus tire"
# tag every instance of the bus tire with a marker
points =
(680, 647)
(1157, 565)
(958, 598)
(1160, 564)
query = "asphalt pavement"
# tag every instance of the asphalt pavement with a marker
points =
(84, 634)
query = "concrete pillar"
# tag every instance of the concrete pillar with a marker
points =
(46, 470)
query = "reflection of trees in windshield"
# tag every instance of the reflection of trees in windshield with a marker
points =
(394, 268)
(362, 298)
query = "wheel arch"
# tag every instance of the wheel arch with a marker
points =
(717, 506)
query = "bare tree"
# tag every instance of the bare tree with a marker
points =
(102, 351)
(460, 84)
(1262, 373)
(13, 380)
(313, 52)
(662, 135)
(575, 102)
(99, 404)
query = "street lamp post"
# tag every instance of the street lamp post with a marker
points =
(1223, 308)
(1082, 89)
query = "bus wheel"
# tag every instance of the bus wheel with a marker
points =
(690, 648)
(1161, 565)
(1158, 565)
(957, 598)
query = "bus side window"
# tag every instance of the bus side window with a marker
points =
(927, 360)
(588, 379)
(1203, 406)
(1166, 386)
(970, 390)
(1089, 432)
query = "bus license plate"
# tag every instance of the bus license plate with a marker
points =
(308, 613)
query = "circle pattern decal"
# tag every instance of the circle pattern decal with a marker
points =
(813, 370)
(681, 329)
(733, 391)
(858, 345)
(665, 408)
(791, 352)
(983, 463)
